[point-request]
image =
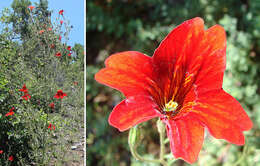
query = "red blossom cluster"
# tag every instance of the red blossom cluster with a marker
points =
(70, 51)
(51, 105)
(41, 32)
(58, 54)
(11, 112)
(51, 126)
(10, 158)
(26, 95)
(61, 12)
(31, 8)
(60, 94)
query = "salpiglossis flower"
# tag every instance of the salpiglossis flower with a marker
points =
(182, 85)
(24, 89)
(51, 126)
(11, 112)
(60, 94)
(51, 105)
(11, 158)
(26, 96)
(41, 32)
(61, 12)
(58, 54)
(31, 7)
(69, 48)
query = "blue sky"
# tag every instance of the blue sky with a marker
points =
(73, 11)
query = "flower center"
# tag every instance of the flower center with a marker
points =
(171, 106)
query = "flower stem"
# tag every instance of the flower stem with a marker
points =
(241, 158)
(133, 138)
(161, 130)
(133, 149)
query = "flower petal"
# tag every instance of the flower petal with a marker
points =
(186, 137)
(132, 111)
(212, 68)
(175, 54)
(179, 41)
(129, 72)
(222, 115)
(188, 55)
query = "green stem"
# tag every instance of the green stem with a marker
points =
(133, 136)
(133, 150)
(245, 149)
(161, 129)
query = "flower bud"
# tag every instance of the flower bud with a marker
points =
(134, 136)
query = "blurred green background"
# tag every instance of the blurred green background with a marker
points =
(122, 25)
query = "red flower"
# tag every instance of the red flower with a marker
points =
(31, 7)
(41, 31)
(51, 126)
(51, 105)
(24, 89)
(11, 158)
(52, 45)
(26, 96)
(60, 94)
(12, 109)
(49, 29)
(1, 151)
(182, 84)
(60, 38)
(58, 54)
(69, 54)
(69, 48)
(61, 12)
(61, 22)
(11, 112)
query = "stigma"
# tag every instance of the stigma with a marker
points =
(171, 106)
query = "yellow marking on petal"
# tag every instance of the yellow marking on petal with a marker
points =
(188, 79)
(175, 92)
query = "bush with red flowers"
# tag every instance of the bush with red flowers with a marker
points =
(30, 77)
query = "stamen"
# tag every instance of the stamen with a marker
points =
(171, 106)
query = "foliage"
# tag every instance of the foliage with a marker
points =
(118, 25)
